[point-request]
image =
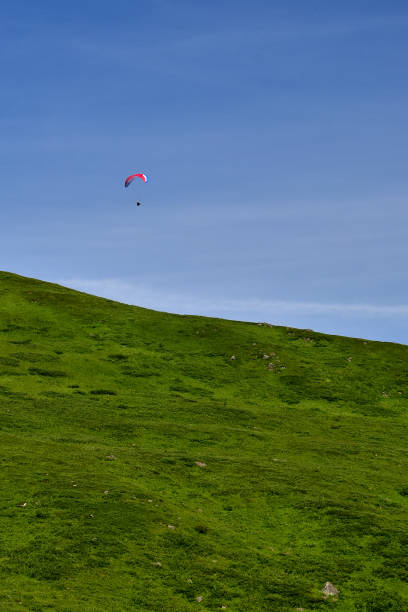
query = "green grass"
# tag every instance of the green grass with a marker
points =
(105, 410)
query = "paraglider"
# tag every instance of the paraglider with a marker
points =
(132, 177)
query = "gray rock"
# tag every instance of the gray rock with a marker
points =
(329, 590)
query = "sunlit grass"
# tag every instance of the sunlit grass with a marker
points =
(160, 462)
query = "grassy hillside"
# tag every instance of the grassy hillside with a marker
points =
(174, 463)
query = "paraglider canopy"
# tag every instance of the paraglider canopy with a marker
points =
(133, 176)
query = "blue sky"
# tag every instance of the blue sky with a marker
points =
(274, 134)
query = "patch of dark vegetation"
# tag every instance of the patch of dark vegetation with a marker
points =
(374, 410)
(49, 373)
(56, 394)
(14, 394)
(41, 515)
(294, 388)
(102, 392)
(11, 327)
(42, 560)
(118, 357)
(35, 357)
(320, 343)
(11, 373)
(120, 431)
(128, 371)
(381, 599)
(8, 361)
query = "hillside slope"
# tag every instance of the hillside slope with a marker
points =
(161, 462)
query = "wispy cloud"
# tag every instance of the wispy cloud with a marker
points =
(164, 53)
(254, 309)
